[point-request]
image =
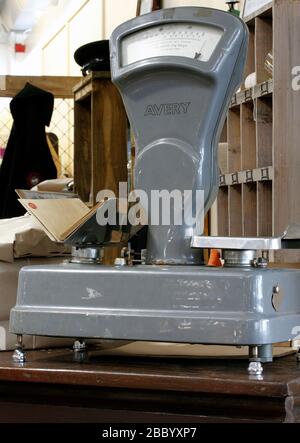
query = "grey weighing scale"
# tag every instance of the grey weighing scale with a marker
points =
(176, 70)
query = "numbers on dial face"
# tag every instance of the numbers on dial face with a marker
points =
(194, 41)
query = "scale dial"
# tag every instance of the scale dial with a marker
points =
(195, 41)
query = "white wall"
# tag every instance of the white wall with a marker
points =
(52, 21)
(4, 59)
(116, 12)
(51, 45)
(55, 54)
(93, 20)
(24, 64)
(219, 4)
(46, 29)
(84, 27)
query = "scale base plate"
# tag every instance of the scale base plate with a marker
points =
(187, 304)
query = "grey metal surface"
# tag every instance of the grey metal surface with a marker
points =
(292, 232)
(265, 353)
(255, 368)
(239, 258)
(178, 150)
(291, 237)
(250, 243)
(169, 303)
(19, 355)
(85, 255)
(178, 304)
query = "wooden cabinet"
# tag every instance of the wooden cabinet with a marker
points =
(100, 142)
(259, 186)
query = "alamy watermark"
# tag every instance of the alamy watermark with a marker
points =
(296, 78)
(158, 208)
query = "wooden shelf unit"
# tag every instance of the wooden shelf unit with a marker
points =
(259, 186)
(100, 141)
(100, 138)
(59, 86)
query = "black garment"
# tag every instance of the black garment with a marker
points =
(27, 159)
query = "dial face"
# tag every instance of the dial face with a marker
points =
(194, 41)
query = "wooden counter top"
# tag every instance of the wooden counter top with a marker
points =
(127, 389)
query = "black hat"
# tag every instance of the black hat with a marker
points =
(93, 56)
